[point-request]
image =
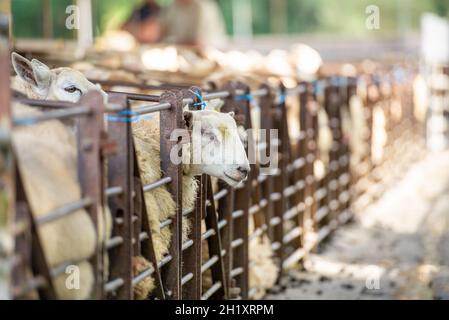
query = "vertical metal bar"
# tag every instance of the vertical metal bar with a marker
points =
(170, 120)
(266, 123)
(192, 256)
(38, 262)
(240, 254)
(351, 92)
(147, 248)
(300, 173)
(90, 166)
(7, 170)
(332, 107)
(215, 244)
(309, 149)
(286, 150)
(225, 209)
(120, 173)
(280, 180)
(226, 205)
(22, 249)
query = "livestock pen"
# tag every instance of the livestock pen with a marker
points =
(288, 206)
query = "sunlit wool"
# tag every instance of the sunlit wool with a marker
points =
(47, 159)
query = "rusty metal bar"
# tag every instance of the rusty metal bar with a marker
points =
(37, 260)
(171, 118)
(90, 168)
(52, 115)
(215, 245)
(64, 211)
(120, 173)
(146, 247)
(240, 225)
(308, 148)
(7, 167)
(192, 256)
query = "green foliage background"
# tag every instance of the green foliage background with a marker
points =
(343, 17)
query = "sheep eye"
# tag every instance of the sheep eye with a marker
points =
(71, 89)
(212, 138)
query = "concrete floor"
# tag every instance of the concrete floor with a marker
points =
(398, 248)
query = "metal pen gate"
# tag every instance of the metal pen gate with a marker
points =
(290, 206)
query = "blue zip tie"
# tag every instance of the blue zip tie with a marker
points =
(317, 88)
(244, 97)
(25, 122)
(128, 112)
(129, 119)
(281, 99)
(201, 104)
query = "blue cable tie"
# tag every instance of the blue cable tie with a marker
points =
(244, 97)
(25, 122)
(129, 119)
(281, 99)
(201, 104)
(127, 112)
(316, 87)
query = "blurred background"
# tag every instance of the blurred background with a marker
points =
(332, 27)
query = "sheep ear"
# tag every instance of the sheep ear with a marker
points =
(42, 74)
(232, 113)
(188, 118)
(32, 72)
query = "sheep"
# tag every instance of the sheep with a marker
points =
(159, 203)
(72, 238)
(219, 132)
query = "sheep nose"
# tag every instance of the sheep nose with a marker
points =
(243, 170)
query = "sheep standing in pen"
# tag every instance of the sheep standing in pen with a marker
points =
(222, 155)
(47, 159)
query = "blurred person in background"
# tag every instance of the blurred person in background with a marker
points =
(143, 23)
(193, 22)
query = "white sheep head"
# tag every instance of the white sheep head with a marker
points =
(41, 82)
(216, 148)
